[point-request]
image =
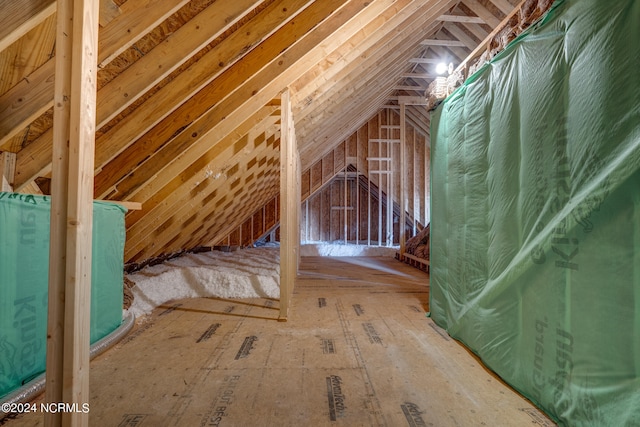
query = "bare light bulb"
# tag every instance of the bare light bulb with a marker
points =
(441, 68)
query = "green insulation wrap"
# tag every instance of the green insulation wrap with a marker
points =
(24, 273)
(535, 229)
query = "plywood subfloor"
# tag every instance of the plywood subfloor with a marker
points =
(357, 350)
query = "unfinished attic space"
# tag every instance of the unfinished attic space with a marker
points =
(319, 213)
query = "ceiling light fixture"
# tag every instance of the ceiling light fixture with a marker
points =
(441, 68)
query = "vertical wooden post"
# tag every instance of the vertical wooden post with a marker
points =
(403, 179)
(427, 181)
(368, 154)
(298, 195)
(390, 189)
(357, 186)
(7, 170)
(68, 327)
(414, 212)
(289, 206)
(345, 200)
(379, 182)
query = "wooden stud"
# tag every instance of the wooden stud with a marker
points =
(427, 189)
(7, 170)
(414, 211)
(403, 184)
(289, 187)
(344, 204)
(68, 326)
(357, 187)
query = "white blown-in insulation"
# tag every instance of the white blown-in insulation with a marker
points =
(246, 273)
(249, 273)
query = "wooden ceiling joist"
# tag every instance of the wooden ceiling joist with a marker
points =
(439, 42)
(461, 18)
(424, 60)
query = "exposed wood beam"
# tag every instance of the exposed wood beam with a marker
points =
(290, 64)
(31, 188)
(349, 77)
(34, 95)
(461, 35)
(368, 43)
(410, 88)
(18, 17)
(233, 196)
(461, 18)
(37, 157)
(354, 98)
(484, 13)
(412, 100)
(504, 6)
(453, 54)
(68, 325)
(108, 12)
(27, 100)
(418, 121)
(425, 60)
(212, 104)
(177, 48)
(437, 42)
(136, 19)
(422, 76)
(132, 206)
(250, 92)
(478, 31)
(265, 191)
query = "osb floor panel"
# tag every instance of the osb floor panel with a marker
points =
(357, 350)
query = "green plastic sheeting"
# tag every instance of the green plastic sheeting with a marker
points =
(535, 229)
(24, 273)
